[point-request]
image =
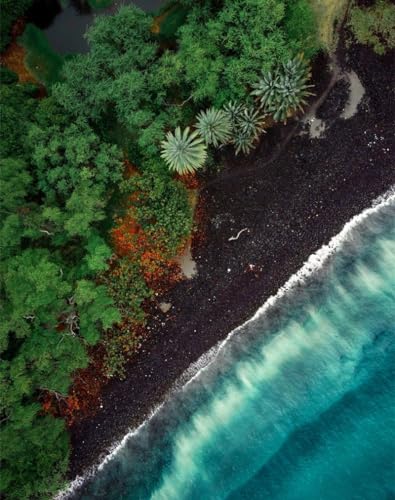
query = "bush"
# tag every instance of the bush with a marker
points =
(126, 285)
(375, 26)
(162, 209)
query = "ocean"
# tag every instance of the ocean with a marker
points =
(297, 404)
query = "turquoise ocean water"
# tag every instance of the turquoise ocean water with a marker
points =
(299, 404)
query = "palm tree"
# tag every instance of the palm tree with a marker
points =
(242, 142)
(233, 109)
(184, 152)
(247, 125)
(214, 126)
(251, 122)
(266, 89)
(247, 128)
(284, 91)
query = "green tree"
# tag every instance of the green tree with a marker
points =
(17, 109)
(35, 288)
(62, 156)
(114, 73)
(222, 52)
(84, 207)
(15, 181)
(34, 454)
(96, 310)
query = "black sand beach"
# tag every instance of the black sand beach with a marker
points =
(291, 202)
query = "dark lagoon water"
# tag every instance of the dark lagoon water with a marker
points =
(65, 22)
(297, 404)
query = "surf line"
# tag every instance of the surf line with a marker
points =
(315, 262)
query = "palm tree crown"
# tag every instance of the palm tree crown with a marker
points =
(214, 126)
(283, 91)
(247, 125)
(184, 152)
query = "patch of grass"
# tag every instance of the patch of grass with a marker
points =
(40, 59)
(328, 14)
(375, 26)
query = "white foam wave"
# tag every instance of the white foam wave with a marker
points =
(315, 262)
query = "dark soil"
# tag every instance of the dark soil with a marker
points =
(335, 102)
(292, 203)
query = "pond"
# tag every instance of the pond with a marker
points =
(65, 22)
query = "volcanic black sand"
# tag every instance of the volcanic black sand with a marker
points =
(292, 199)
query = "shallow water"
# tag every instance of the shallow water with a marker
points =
(299, 404)
(357, 91)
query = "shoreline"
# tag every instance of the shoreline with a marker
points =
(291, 206)
(315, 264)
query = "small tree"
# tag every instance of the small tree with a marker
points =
(184, 152)
(247, 124)
(214, 126)
(284, 91)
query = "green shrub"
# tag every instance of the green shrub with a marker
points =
(375, 26)
(126, 285)
(162, 209)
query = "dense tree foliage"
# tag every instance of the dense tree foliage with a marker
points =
(51, 307)
(149, 92)
(223, 51)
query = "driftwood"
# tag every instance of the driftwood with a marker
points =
(234, 238)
